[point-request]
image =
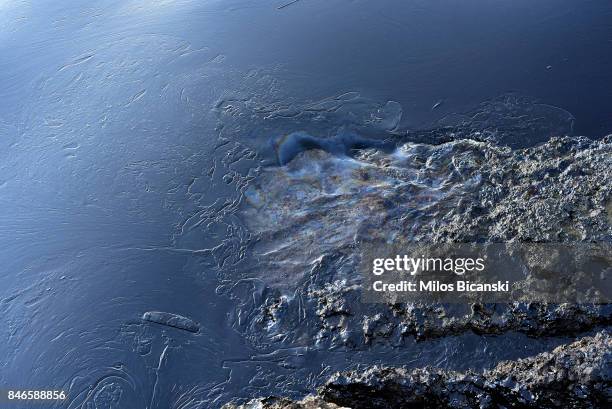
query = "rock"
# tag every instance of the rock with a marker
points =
(310, 402)
(576, 375)
(315, 209)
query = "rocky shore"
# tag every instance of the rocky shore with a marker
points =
(576, 375)
(311, 214)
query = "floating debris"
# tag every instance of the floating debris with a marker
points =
(171, 320)
(287, 4)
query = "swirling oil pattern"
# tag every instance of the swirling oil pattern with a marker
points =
(184, 185)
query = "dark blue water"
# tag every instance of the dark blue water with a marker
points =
(417, 53)
(130, 129)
